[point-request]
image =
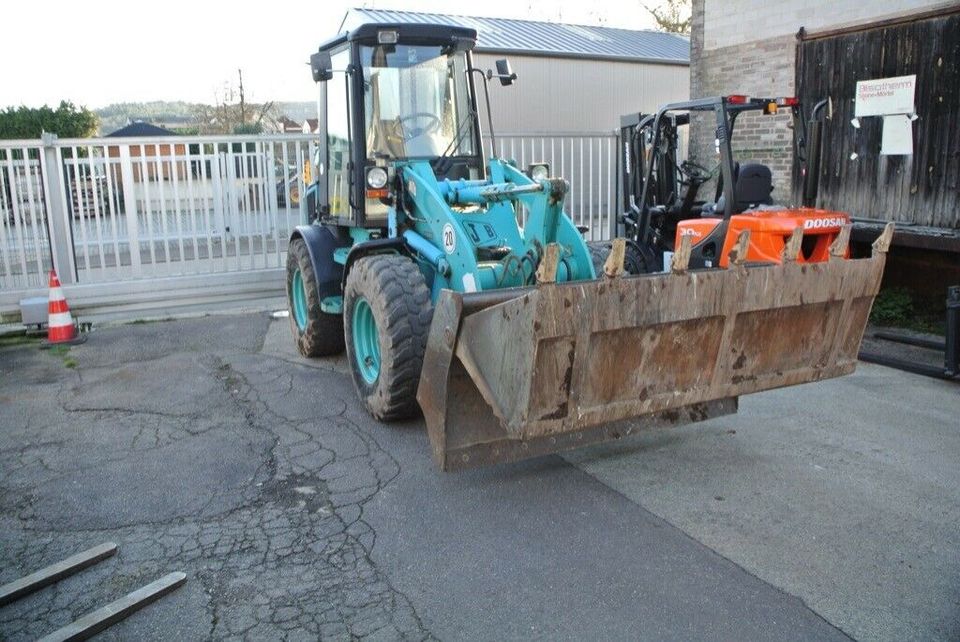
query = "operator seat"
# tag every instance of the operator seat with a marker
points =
(753, 187)
(753, 184)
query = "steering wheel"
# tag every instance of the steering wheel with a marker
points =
(695, 172)
(412, 132)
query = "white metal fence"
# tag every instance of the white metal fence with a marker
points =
(588, 161)
(117, 211)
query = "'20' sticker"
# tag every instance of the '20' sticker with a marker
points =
(449, 239)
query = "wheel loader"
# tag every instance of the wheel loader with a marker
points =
(521, 340)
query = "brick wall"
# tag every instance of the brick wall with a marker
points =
(749, 47)
(732, 22)
(757, 68)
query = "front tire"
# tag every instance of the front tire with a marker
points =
(317, 334)
(387, 314)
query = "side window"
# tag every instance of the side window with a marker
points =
(338, 137)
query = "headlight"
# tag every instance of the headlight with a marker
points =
(539, 172)
(376, 178)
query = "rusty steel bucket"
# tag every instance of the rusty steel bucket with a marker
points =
(516, 373)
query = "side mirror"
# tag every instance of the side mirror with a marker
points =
(504, 72)
(321, 67)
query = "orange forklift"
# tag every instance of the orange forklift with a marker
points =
(663, 199)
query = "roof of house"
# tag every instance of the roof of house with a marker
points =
(545, 38)
(140, 129)
(288, 124)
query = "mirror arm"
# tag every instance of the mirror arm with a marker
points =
(486, 93)
(490, 76)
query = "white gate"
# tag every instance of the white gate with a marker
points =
(144, 219)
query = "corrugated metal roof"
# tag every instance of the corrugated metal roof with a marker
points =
(545, 38)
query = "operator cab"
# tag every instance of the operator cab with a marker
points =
(392, 92)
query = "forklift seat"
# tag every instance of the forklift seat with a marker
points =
(753, 184)
(753, 187)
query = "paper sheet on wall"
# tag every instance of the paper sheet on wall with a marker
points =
(897, 135)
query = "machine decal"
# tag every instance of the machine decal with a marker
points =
(449, 239)
(817, 223)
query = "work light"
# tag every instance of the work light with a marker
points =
(539, 171)
(376, 178)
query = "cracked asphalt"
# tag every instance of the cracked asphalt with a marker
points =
(209, 446)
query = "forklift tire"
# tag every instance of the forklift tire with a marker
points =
(317, 333)
(387, 314)
(633, 260)
(599, 250)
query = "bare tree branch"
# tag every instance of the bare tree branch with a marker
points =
(672, 15)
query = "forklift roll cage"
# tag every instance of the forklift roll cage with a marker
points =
(638, 208)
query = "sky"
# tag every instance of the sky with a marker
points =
(99, 52)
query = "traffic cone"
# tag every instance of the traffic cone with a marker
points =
(60, 326)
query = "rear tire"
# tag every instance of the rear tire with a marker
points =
(387, 314)
(317, 334)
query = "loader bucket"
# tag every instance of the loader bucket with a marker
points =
(516, 373)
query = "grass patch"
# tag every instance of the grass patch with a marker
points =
(898, 307)
(63, 352)
(19, 339)
(146, 321)
(893, 306)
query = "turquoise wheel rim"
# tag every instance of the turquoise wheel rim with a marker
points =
(298, 295)
(366, 341)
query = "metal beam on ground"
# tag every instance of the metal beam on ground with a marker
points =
(95, 622)
(55, 572)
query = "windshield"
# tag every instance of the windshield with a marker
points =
(416, 102)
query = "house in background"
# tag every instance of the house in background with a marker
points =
(285, 125)
(156, 157)
(571, 79)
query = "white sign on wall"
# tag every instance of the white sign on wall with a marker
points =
(897, 135)
(885, 96)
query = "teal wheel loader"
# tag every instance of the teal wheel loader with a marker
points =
(459, 287)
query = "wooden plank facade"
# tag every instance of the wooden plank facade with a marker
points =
(922, 189)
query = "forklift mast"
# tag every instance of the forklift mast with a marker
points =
(656, 188)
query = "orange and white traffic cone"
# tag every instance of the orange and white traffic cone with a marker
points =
(60, 326)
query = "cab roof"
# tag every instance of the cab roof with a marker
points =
(409, 33)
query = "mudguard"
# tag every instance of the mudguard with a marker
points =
(321, 242)
(366, 248)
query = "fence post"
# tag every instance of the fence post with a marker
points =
(130, 206)
(58, 221)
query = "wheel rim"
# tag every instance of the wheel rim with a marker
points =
(366, 341)
(298, 295)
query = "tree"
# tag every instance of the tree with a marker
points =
(232, 114)
(672, 16)
(66, 121)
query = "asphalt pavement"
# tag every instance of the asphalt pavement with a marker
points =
(209, 446)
